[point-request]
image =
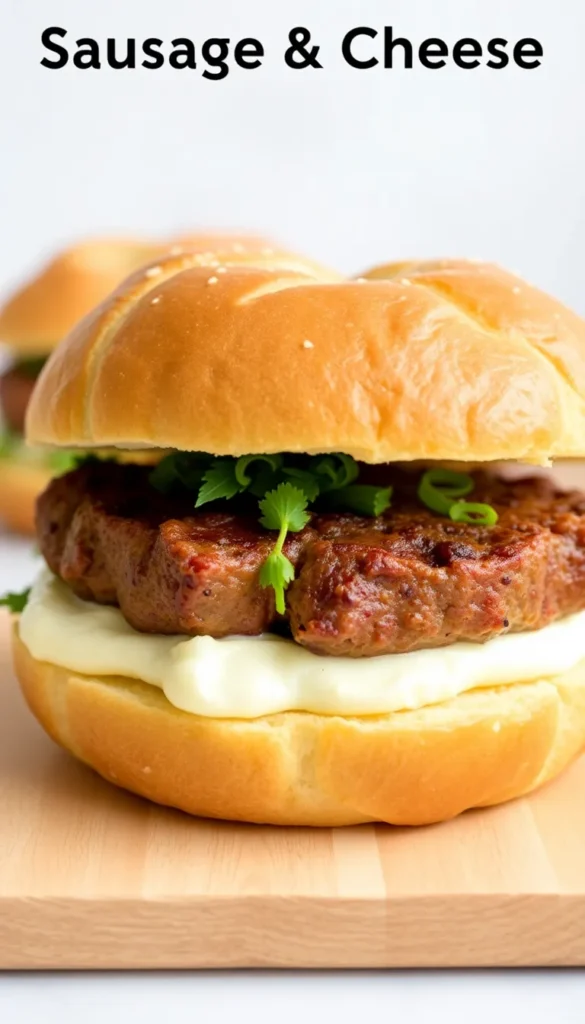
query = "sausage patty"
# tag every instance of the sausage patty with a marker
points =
(406, 580)
(16, 388)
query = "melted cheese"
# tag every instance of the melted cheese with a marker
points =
(246, 677)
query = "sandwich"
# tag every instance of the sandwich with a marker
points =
(324, 605)
(36, 318)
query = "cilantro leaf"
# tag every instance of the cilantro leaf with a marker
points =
(364, 499)
(190, 468)
(164, 475)
(277, 572)
(184, 469)
(15, 602)
(305, 480)
(219, 481)
(284, 507)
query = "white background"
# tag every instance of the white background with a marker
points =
(295, 998)
(355, 167)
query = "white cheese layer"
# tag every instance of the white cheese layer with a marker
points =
(245, 677)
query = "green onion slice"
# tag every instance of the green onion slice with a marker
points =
(473, 512)
(336, 471)
(243, 477)
(439, 488)
(365, 499)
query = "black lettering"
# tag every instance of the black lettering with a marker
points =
(218, 61)
(247, 53)
(50, 45)
(467, 48)
(527, 48)
(87, 48)
(150, 48)
(183, 54)
(497, 49)
(390, 42)
(346, 47)
(129, 60)
(432, 49)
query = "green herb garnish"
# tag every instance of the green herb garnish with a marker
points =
(306, 481)
(63, 461)
(180, 469)
(335, 471)
(283, 509)
(441, 491)
(15, 602)
(364, 499)
(285, 486)
(219, 481)
(473, 512)
(439, 488)
(273, 462)
(164, 475)
(12, 445)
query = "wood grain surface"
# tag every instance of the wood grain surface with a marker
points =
(93, 877)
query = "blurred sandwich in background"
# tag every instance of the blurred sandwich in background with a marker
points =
(39, 314)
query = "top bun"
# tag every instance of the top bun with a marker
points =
(39, 315)
(451, 360)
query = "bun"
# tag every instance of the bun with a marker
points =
(409, 768)
(457, 361)
(37, 316)
(20, 483)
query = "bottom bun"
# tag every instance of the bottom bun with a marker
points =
(406, 768)
(20, 485)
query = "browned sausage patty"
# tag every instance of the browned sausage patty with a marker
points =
(16, 388)
(406, 580)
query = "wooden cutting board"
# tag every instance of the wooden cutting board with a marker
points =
(91, 877)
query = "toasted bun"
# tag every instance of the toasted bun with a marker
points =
(39, 315)
(458, 361)
(410, 768)
(20, 484)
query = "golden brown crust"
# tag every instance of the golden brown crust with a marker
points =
(410, 768)
(40, 313)
(458, 361)
(37, 316)
(20, 484)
